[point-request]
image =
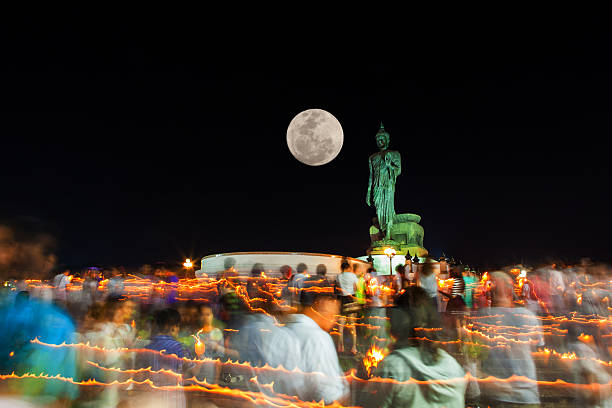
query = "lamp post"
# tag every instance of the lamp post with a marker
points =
(188, 266)
(390, 252)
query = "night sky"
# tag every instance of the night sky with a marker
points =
(150, 141)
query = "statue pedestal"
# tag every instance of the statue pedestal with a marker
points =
(406, 237)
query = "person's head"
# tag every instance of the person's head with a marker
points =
(286, 271)
(321, 269)
(190, 313)
(410, 320)
(145, 269)
(168, 321)
(428, 268)
(382, 138)
(323, 309)
(207, 315)
(345, 266)
(501, 289)
(400, 269)
(257, 269)
(229, 263)
(358, 270)
(456, 272)
(302, 268)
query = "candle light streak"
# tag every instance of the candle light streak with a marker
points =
(493, 336)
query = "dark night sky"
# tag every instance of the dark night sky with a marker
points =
(150, 141)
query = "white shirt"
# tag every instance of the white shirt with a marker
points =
(347, 282)
(317, 355)
(280, 348)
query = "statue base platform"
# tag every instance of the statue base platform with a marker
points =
(406, 237)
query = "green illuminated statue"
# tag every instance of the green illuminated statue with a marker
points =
(385, 166)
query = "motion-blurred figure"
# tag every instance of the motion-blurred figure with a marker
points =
(167, 323)
(512, 323)
(317, 353)
(229, 269)
(587, 369)
(115, 286)
(441, 378)
(347, 285)
(26, 319)
(60, 282)
(426, 278)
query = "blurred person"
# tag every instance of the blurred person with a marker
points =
(172, 279)
(399, 279)
(125, 329)
(320, 276)
(255, 280)
(376, 302)
(115, 286)
(22, 320)
(191, 318)
(470, 283)
(347, 285)
(529, 297)
(212, 338)
(286, 274)
(107, 328)
(541, 287)
(310, 330)
(301, 274)
(167, 323)
(99, 330)
(229, 269)
(442, 382)
(590, 283)
(89, 289)
(557, 289)
(296, 283)
(256, 330)
(426, 278)
(409, 270)
(504, 362)
(586, 369)
(60, 282)
(455, 308)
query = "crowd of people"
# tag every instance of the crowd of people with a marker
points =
(424, 336)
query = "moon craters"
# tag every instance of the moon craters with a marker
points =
(315, 137)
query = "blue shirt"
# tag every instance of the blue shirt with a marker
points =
(157, 361)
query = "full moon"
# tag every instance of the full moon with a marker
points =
(315, 137)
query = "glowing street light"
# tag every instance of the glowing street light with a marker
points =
(188, 263)
(390, 252)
